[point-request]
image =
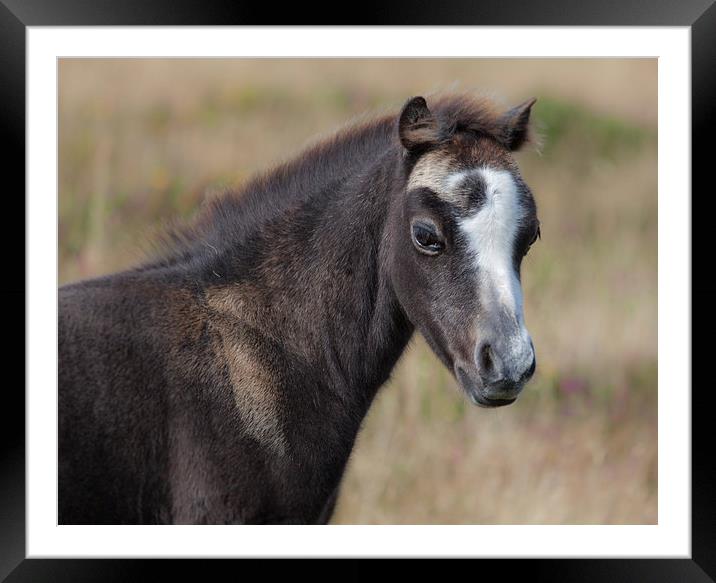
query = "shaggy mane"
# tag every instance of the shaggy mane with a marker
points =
(239, 212)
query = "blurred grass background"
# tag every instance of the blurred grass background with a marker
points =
(145, 141)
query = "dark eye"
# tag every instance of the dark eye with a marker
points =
(537, 235)
(427, 239)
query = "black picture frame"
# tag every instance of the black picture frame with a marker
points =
(16, 15)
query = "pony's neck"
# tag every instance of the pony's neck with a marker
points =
(317, 282)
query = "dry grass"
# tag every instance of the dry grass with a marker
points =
(142, 142)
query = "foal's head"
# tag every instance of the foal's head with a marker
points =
(465, 221)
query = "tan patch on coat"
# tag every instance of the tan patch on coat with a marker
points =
(430, 171)
(255, 394)
(254, 386)
(244, 303)
(442, 170)
(226, 303)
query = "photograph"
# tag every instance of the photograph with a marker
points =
(347, 291)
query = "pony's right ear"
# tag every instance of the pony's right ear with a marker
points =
(417, 127)
(516, 124)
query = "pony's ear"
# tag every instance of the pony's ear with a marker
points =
(417, 127)
(516, 124)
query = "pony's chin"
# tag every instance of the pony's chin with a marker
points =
(482, 401)
(473, 389)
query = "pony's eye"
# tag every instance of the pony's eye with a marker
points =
(536, 236)
(427, 239)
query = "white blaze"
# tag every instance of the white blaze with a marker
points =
(491, 234)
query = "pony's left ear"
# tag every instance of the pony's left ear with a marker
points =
(417, 126)
(516, 124)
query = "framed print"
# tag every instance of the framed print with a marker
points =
(120, 121)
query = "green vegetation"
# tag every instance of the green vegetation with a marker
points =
(605, 136)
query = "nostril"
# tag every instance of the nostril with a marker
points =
(487, 361)
(486, 357)
(532, 368)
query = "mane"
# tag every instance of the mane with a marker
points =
(238, 213)
(463, 112)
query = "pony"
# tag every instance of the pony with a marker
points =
(224, 380)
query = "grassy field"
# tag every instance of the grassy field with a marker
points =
(143, 142)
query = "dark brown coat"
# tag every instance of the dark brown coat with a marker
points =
(226, 381)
